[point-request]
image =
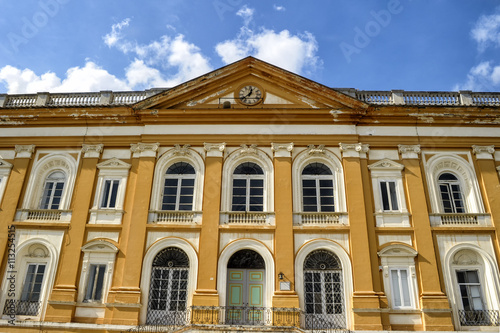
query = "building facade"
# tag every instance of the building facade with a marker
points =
(250, 196)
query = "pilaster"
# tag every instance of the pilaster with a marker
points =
(62, 301)
(285, 295)
(12, 192)
(206, 292)
(436, 312)
(124, 298)
(489, 180)
(365, 300)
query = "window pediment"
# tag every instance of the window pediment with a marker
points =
(397, 250)
(386, 165)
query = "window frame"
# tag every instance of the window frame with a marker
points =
(450, 193)
(111, 170)
(317, 179)
(248, 189)
(179, 187)
(400, 288)
(5, 169)
(50, 196)
(389, 171)
(97, 252)
(399, 256)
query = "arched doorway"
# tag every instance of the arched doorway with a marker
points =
(323, 291)
(245, 288)
(168, 288)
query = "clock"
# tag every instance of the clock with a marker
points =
(250, 95)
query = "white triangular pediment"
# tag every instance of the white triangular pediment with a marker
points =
(5, 164)
(386, 164)
(113, 164)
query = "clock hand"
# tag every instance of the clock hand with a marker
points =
(247, 95)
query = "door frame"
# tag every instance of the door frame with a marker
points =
(246, 244)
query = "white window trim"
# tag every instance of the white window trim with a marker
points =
(112, 169)
(399, 256)
(180, 178)
(464, 170)
(147, 269)
(327, 158)
(392, 287)
(238, 157)
(345, 260)
(489, 276)
(32, 251)
(97, 252)
(44, 167)
(5, 169)
(169, 158)
(387, 170)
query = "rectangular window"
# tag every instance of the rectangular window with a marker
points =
(400, 288)
(470, 290)
(33, 283)
(52, 195)
(110, 193)
(389, 196)
(95, 283)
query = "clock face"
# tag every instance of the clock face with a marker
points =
(250, 95)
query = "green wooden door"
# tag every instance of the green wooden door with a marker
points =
(245, 296)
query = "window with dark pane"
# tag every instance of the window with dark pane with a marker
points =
(178, 189)
(52, 190)
(470, 290)
(451, 193)
(95, 283)
(248, 188)
(389, 195)
(323, 287)
(109, 193)
(169, 286)
(33, 283)
(317, 188)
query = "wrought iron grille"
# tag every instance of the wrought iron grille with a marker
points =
(286, 319)
(479, 317)
(22, 308)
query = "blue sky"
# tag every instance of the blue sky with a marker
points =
(70, 45)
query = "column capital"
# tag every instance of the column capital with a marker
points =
(354, 149)
(282, 149)
(214, 149)
(92, 151)
(142, 149)
(24, 151)
(483, 152)
(409, 151)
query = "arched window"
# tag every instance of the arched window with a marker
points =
(323, 290)
(168, 288)
(178, 187)
(248, 188)
(53, 190)
(451, 193)
(317, 188)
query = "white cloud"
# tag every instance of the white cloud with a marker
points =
(246, 13)
(483, 77)
(279, 8)
(296, 53)
(486, 32)
(115, 35)
(78, 79)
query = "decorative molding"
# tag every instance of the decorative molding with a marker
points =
(37, 251)
(358, 150)
(483, 152)
(113, 163)
(181, 150)
(386, 165)
(92, 151)
(409, 151)
(313, 150)
(4, 165)
(246, 150)
(214, 149)
(282, 149)
(142, 149)
(465, 257)
(24, 151)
